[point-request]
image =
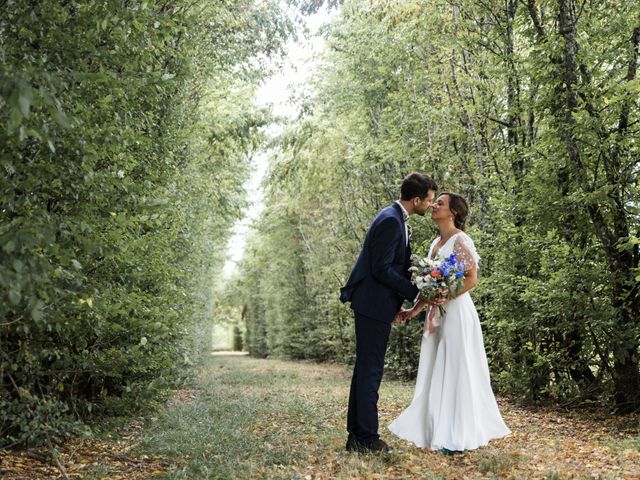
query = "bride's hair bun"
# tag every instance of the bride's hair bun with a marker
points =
(458, 206)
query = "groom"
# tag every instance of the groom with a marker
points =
(377, 287)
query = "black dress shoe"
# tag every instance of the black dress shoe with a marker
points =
(352, 445)
(377, 446)
(380, 446)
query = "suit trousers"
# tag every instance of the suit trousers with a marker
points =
(372, 337)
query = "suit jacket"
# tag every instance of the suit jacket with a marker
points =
(379, 281)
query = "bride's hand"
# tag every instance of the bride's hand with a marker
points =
(409, 314)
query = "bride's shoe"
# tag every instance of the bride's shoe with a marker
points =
(446, 451)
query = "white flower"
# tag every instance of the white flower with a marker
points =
(120, 174)
(143, 341)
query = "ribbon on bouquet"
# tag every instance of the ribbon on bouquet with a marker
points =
(434, 319)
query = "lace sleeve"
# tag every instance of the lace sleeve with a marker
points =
(466, 251)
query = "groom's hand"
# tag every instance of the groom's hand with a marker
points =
(401, 317)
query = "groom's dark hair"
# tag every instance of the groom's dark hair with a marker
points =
(417, 185)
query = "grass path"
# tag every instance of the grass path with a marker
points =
(250, 418)
(246, 418)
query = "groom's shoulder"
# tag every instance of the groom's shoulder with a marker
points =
(384, 214)
(392, 210)
(387, 211)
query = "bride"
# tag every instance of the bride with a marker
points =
(453, 406)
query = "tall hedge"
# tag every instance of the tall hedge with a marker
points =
(126, 131)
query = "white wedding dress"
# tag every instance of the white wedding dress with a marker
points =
(453, 406)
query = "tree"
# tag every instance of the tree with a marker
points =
(530, 110)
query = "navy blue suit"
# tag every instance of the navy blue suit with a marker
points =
(377, 287)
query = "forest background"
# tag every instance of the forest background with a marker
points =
(128, 130)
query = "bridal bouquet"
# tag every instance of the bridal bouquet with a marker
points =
(437, 278)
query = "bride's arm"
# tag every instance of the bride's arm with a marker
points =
(418, 307)
(468, 256)
(470, 281)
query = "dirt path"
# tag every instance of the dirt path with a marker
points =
(250, 418)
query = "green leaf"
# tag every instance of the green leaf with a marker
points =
(61, 118)
(14, 296)
(9, 247)
(15, 118)
(25, 97)
(36, 311)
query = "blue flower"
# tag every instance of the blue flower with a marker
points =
(459, 274)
